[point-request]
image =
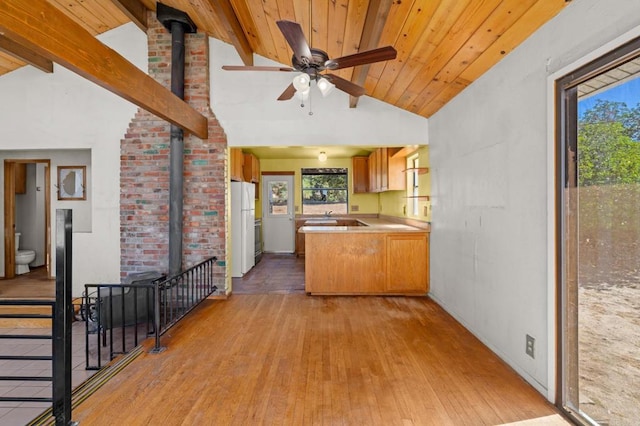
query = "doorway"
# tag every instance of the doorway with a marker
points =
(598, 239)
(27, 202)
(278, 214)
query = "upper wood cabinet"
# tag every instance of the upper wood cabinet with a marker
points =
(386, 170)
(374, 176)
(360, 172)
(396, 164)
(251, 168)
(21, 178)
(237, 163)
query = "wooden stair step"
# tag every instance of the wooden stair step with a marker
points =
(18, 321)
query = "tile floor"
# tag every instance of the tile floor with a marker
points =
(21, 413)
(34, 285)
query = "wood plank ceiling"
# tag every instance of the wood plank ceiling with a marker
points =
(443, 45)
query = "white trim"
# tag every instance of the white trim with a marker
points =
(551, 245)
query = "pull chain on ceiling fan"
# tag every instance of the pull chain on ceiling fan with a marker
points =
(312, 62)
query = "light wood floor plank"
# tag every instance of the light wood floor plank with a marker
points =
(293, 359)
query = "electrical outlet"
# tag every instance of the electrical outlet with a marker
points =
(355, 208)
(531, 341)
(426, 211)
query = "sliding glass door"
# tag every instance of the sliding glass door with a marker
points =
(599, 239)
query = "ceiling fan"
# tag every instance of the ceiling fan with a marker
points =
(312, 62)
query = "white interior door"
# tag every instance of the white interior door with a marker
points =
(278, 224)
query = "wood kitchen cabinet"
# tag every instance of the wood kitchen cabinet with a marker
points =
(251, 168)
(299, 238)
(351, 262)
(407, 262)
(374, 176)
(236, 164)
(360, 173)
(396, 164)
(386, 170)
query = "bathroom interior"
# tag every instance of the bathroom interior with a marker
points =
(35, 195)
(30, 219)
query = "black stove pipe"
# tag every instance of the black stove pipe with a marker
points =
(178, 23)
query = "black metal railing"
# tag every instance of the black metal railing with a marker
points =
(183, 292)
(117, 318)
(60, 336)
(4, 338)
(120, 316)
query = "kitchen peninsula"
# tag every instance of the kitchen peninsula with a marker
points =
(376, 257)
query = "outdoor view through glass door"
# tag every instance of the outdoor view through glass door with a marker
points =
(601, 245)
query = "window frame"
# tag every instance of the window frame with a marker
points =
(314, 171)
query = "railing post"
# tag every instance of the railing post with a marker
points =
(62, 315)
(156, 318)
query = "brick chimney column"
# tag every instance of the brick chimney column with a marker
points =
(144, 170)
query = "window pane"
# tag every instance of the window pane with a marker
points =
(324, 190)
(278, 197)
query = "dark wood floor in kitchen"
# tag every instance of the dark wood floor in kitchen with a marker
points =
(275, 274)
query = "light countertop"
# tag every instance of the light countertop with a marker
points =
(371, 225)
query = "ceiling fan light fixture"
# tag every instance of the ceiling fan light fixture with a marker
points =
(322, 157)
(301, 82)
(303, 95)
(325, 86)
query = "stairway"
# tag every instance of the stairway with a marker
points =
(19, 316)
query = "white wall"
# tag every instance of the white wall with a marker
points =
(65, 111)
(245, 103)
(489, 150)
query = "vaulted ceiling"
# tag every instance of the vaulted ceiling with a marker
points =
(442, 45)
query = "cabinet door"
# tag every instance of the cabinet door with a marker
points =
(237, 163)
(299, 238)
(373, 172)
(255, 169)
(396, 176)
(407, 263)
(383, 169)
(250, 171)
(360, 174)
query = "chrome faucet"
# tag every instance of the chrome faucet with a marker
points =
(328, 214)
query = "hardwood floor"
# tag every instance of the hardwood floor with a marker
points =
(297, 359)
(34, 285)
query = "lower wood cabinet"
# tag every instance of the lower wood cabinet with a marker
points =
(407, 262)
(367, 263)
(300, 238)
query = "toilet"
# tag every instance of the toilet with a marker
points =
(23, 257)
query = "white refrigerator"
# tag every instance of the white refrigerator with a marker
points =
(243, 218)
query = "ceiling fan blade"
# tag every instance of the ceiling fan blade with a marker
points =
(292, 32)
(362, 58)
(288, 93)
(345, 85)
(255, 68)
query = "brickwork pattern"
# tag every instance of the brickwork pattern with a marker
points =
(144, 172)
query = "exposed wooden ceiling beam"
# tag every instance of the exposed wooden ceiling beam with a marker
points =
(135, 10)
(42, 28)
(371, 32)
(25, 55)
(232, 26)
